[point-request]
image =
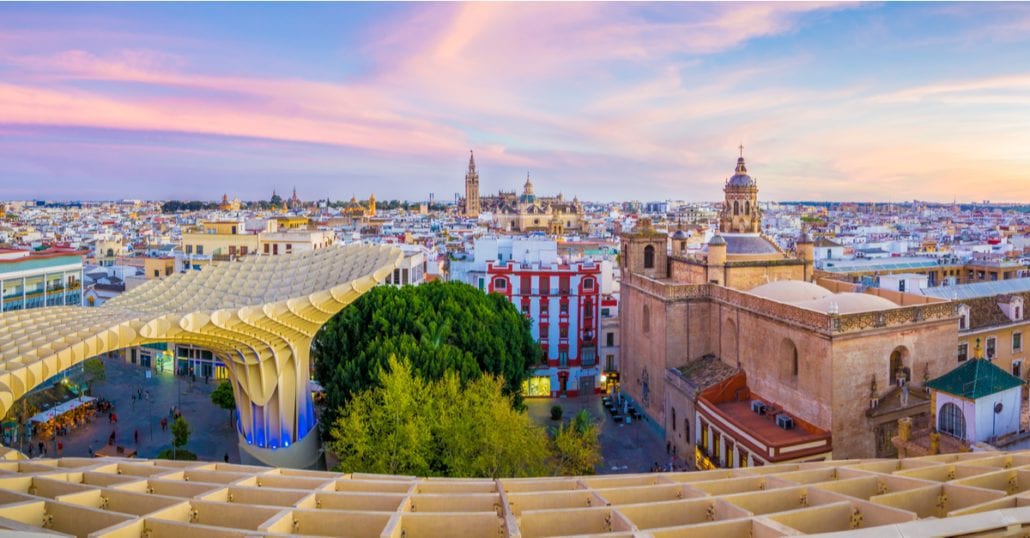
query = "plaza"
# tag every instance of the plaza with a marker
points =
(625, 448)
(213, 435)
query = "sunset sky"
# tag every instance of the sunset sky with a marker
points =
(606, 101)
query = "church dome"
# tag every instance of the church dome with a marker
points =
(791, 291)
(679, 235)
(849, 303)
(740, 177)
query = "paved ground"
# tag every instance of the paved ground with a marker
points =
(213, 436)
(625, 448)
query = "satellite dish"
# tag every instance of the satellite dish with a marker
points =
(998, 407)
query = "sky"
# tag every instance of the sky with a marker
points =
(604, 101)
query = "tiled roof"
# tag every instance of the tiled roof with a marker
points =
(748, 244)
(975, 379)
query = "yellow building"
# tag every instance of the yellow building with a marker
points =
(215, 241)
(992, 318)
(229, 205)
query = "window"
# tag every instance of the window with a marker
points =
(963, 352)
(992, 347)
(543, 308)
(609, 339)
(243, 251)
(563, 358)
(704, 435)
(289, 248)
(266, 248)
(500, 284)
(963, 320)
(647, 319)
(564, 308)
(609, 363)
(736, 207)
(200, 250)
(747, 207)
(1017, 369)
(606, 312)
(794, 364)
(157, 273)
(649, 257)
(588, 283)
(189, 249)
(588, 309)
(563, 332)
(686, 429)
(951, 421)
(275, 249)
(1017, 342)
(673, 419)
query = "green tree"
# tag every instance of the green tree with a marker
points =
(180, 432)
(223, 397)
(437, 327)
(577, 447)
(94, 369)
(437, 428)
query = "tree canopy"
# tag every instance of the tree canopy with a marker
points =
(223, 397)
(410, 426)
(438, 327)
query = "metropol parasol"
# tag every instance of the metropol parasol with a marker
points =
(258, 316)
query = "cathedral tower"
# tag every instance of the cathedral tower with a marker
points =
(472, 189)
(740, 214)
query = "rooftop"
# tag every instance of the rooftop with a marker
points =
(974, 379)
(979, 289)
(882, 264)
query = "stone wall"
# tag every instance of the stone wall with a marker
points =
(856, 358)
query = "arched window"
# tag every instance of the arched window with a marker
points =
(736, 207)
(794, 366)
(951, 421)
(673, 419)
(686, 429)
(747, 207)
(647, 319)
(899, 371)
(649, 257)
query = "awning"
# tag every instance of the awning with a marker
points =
(61, 409)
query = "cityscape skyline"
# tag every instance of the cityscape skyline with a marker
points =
(600, 101)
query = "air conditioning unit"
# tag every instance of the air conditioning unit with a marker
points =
(785, 421)
(758, 406)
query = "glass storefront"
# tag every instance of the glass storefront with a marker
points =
(537, 386)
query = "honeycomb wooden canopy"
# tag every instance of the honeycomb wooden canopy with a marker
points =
(972, 494)
(257, 315)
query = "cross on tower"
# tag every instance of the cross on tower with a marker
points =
(741, 150)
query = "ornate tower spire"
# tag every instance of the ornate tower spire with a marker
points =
(472, 207)
(740, 212)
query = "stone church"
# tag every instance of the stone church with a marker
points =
(524, 212)
(743, 359)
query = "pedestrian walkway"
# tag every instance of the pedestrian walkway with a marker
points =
(213, 436)
(625, 448)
